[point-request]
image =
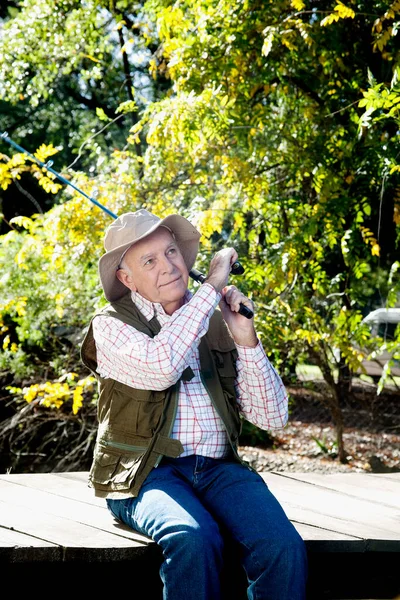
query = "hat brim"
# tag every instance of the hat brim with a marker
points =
(186, 235)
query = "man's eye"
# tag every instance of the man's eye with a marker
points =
(148, 262)
(172, 251)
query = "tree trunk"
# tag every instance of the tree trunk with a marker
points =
(334, 401)
(344, 381)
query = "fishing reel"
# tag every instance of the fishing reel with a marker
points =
(236, 269)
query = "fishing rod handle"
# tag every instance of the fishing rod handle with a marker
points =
(244, 310)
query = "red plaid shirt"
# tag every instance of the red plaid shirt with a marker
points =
(133, 358)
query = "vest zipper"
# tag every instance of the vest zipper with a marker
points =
(124, 446)
(170, 427)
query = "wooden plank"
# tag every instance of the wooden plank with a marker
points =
(78, 541)
(322, 540)
(332, 510)
(74, 489)
(69, 509)
(60, 491)
(373, 487)
(21, 547)
(77, 475)
(391, 476)
(9, 537)
(330, 520)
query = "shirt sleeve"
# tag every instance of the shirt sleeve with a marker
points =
(261, 394)
(134, 358)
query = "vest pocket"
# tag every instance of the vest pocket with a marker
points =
(136, 411)
(115, 471)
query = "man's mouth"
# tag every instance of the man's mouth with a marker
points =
(170, 282)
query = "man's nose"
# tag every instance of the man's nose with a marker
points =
(168, 265)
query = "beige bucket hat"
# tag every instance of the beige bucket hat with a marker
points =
(131, 227)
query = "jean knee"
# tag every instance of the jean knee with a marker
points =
(192, 540)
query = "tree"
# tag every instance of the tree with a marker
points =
(261, 141)
(68, 73)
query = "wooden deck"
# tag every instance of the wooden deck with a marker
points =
(350, 523)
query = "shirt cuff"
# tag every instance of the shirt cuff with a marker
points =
(252, 358)
(209, 294)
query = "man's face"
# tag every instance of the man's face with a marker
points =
(156, 269)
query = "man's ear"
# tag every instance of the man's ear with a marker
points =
(126, 279)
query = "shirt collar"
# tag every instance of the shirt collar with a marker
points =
(152, 309)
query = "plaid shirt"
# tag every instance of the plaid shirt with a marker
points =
(135, 359)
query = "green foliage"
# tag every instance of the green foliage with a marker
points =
(66, 66)
(272, 126)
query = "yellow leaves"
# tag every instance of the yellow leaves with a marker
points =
(285, 39)
(51, 394)
(344, 12)
(54, 394)
(383, 39)
(31, 392)
(17, 160)
(59, 304)
(172, 20)
(5, 176)
(92, 58)
(44, 151)
(375, 250)
(269, 35)
(20, 305)
(208, 222)
(134, 133)
(304, 29)
(153, 68)
(127, 107)
(340, 12)
(311, 337)
(318, 181)
(22, 221)
(16, 305)
(102, 115)
(11, 169)
(297, 4)
(370, 240)
(77, 399)
(377, 26)
(383, 36)
(48, 185)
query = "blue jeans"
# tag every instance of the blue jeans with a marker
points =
(190, 506)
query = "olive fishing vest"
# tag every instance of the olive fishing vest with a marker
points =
(134, 426)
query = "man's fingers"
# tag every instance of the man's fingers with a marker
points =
(235, 297)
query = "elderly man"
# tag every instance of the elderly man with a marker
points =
(175, 376)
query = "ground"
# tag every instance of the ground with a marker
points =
(307, 443)
(297, 450)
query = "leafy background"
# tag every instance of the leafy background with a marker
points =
(272, 126)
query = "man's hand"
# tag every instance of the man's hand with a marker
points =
(220, 268)
(241, 328)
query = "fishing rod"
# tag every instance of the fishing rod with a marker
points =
(236, 268)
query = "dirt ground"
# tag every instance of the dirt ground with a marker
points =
(307, 443)
(297, 450)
